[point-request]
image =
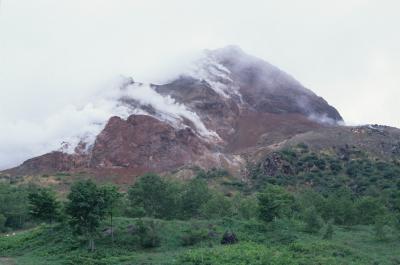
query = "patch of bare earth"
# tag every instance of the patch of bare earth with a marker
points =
(7, 261)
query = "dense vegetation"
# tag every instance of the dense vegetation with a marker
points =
(312, 208)
(328, 171)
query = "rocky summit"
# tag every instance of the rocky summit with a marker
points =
(228, 109)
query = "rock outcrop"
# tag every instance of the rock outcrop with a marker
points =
(144, 144)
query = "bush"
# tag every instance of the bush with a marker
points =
(14, 205)
(217, 206)
(195, 195)
(274, 202)
(396, 223)
(239, 254)
(44, 205)
(368, 210)
(284, 231)
(148, 234)
(193, 236)
(313, 222)
(379, 229)
(328, 232)
(2, 223)
(245, 207)
(153, 196)
(340, 207)
(212, 174)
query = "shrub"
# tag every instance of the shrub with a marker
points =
(44, 205)
(379, 229)
(195, 195)
(217, 206)
(152, 196)
(148, 234)
(245, 207)
(313, 222)
(329, 231)
(274, 202)
(2, 223)
(86, 208)
(193, 236)
(368, 210)
(284, 231)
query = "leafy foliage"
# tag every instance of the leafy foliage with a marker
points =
(154, 196)
(14, 205)
(194, 196)
(86, 207)
(328, 171)
(274, 202)
(183, 222)
(312, 220)
(329, 231)
(44, 205)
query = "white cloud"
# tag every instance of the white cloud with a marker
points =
(54, 55)
(168, 109)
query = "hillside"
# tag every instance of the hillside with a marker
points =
(299, 205)
(257, 246)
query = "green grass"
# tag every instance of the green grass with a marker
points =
(280, 243)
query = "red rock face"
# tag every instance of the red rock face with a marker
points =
(51, 163)
(144, 144)
(256, 129)
(134, 146)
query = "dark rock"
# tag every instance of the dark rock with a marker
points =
(229, 238)
(108, 231)
(131, 229)
(212, 234)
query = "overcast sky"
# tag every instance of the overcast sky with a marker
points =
(55, 55)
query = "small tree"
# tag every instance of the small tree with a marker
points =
(329, 231)
(44, 205)
(195, 195)
(245, 207)
(217, 206)
(309, 197)
(379, 229)
(153, 196)
(86, 208)
(14, 204)
(340, 207)
(148, 234)
(274, 202)
(3, 220)
(111, 197)
(396, 220)
(313, 220)
(369, 210)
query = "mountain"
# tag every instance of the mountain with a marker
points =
(228, 109)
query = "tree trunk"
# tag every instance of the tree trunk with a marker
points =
(51, 225)
(91, 244)
(112, 229)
